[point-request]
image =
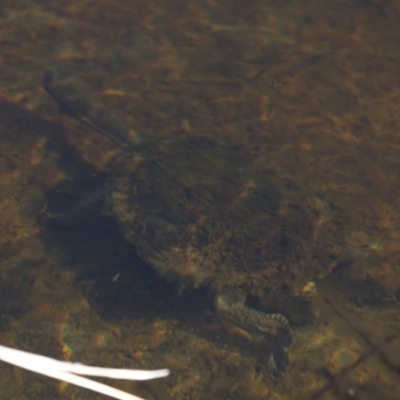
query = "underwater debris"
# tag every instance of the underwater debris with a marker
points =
(71, 372)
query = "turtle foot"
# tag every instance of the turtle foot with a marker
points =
(274, 329)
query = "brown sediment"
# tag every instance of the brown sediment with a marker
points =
(330, 121)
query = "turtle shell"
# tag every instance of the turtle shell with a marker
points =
(202, 212)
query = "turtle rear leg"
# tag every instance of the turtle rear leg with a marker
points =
(274, 329)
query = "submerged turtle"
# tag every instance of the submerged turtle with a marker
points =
(204, 213)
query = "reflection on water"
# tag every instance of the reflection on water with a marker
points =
(306, 97)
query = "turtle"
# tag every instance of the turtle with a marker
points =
(204, 213)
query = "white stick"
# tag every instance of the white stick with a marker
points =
(66, 371)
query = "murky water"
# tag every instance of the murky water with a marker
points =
(304, 89)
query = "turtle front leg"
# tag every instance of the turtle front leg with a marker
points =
(274, 328)
(85, 209)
